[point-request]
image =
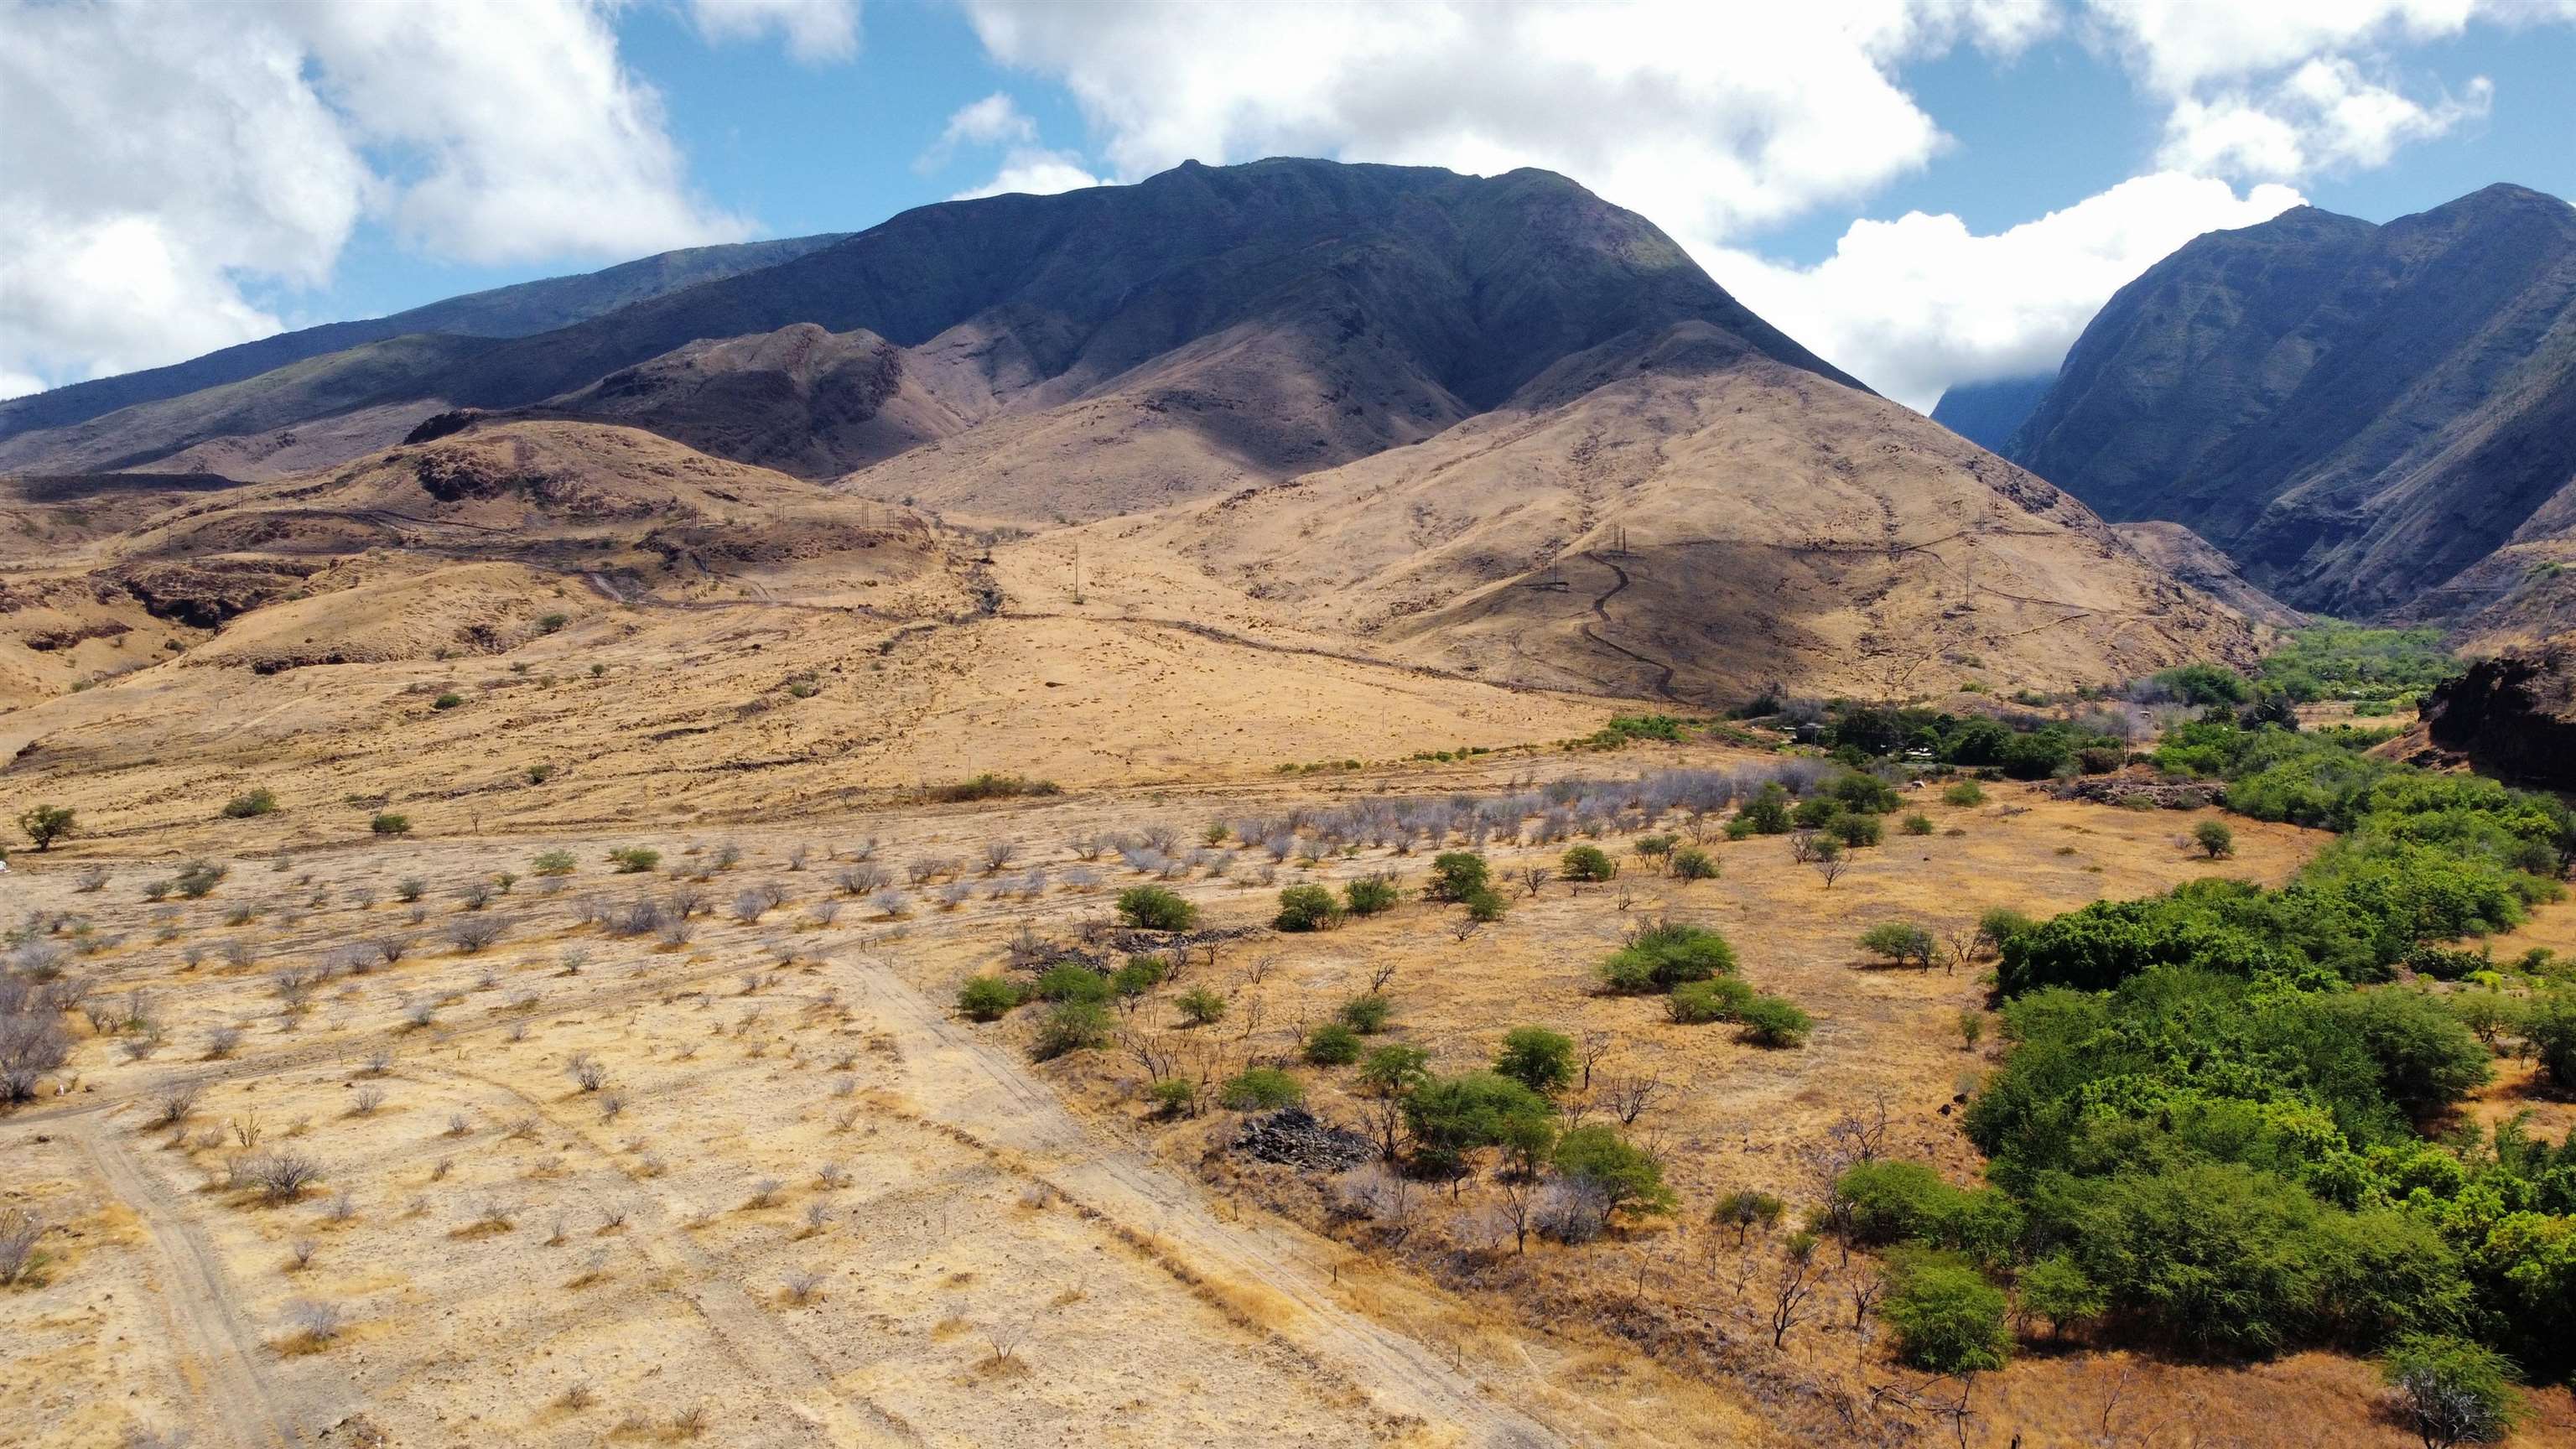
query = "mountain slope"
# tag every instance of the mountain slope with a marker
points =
(1672, 515)
(514, 311)
(1989, 413)
(2354, 413)
(1450, 291)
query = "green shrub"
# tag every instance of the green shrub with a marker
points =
(2451, 1391)
(45, 824)
(1332, 1045)
(1486, 904)
(390, 823)
(1744, 1210)
(1918, 823)
(634, 859)
(1948, 1318)
(1394, 1069)
(2214, 838)
(1627, 1175)
(2058, 1289)
(2549, 1024)
(449, 700)
(1174, 1096)
(1068, 1027)
(1307, 908)
(1767, 813)
(1451, 1115)
(1200, 1006)
(1856, 831)
(1071, 981)
(1371, 894)
(987, 998)
(262, 801)
(1139, 975)
(1366, 1014)
(1692, 863)
(549, 623)
(1898, 943)
(1773, 1022)
(1663, 954)
(1457, 875)
(989, 786)
(1152, 908)
(1963, 793)
(1588, 863)
(1721, 998)
(553, 862)
(1537, 1058)
(1260, 1089)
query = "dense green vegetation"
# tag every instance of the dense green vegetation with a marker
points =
(2346, 661)
(2219, 1130)
(2024, 750)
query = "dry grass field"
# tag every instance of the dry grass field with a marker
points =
(751, 1180)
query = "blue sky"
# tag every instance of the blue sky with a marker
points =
(1927, 191)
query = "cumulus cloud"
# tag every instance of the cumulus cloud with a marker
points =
(2325, 116)
(198, 155)
(1921, 303)
(816, 31)
(1026, 167)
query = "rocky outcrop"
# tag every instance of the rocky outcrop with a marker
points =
(2513, 715)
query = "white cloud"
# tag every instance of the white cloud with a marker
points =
(1027, 167)
(193, 152)
(1711, 119)
(1919, 304)
(2325, 116)
(816, 31)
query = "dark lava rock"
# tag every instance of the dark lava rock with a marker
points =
(439, 425)
(2513, 715)
(1296, 1137)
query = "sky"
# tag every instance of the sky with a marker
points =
(1926, 192)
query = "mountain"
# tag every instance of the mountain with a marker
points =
(2358, 415)
(1989, 413)
(515, 311)
(1280, 316)
(1487, 431)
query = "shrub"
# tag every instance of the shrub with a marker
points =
(1451, 1115)
(2214, 838)
(1486, 904)
(1963, 792)
(390, 823)
(1366, 1014)
(634, 859)
(1070, 1026)
(553, 862)
(1071, 981)
(2058, 1289)
(1663, 954)
(1332, 1045)
(1260, 1089)
(1587, 863)
(987, 998)
(449, 700)
(1918, 823)
(1744, 1210)
(989, 786)
(2426, 1056)
(549, 623)
(2451, 1391)
(1898, 942)
(1458, 875)
(2550, 1026)
(1773, 1022)
(249, 803)
(1537, 1058)
(1140, 975)
(1307, 908)
(1200, 1006)
(1153, 908)
(1394, 1069)
(1692, 863)
(1721, 998)
(1626, 1174)
(45, 824)
(1767, 813)
(1948, 1318)
(1174, 1096)
(1371, 894)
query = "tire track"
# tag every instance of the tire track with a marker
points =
(961, 1082)
(1663, 672)
(206, 1328)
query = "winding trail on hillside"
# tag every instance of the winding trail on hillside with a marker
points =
(236, 1392)
(1663, 672)
(960, 1082)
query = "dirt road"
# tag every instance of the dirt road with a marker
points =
(975, 1088)
(231, 1385)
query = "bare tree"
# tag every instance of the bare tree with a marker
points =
(1533, 877)
(1793, 1291)
(1630, 1096)
(1005, 1335)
